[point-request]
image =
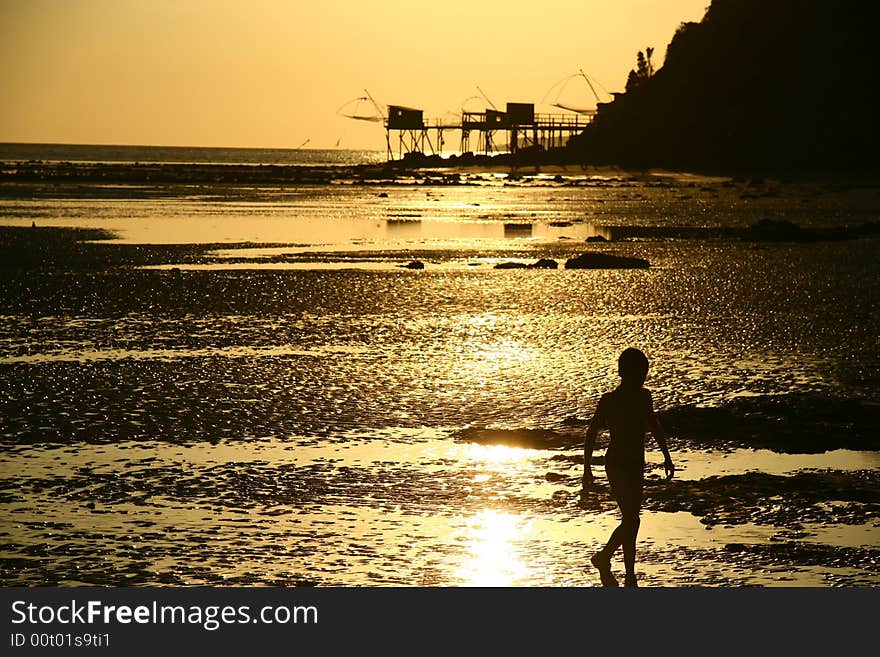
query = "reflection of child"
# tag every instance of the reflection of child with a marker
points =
(627, 412)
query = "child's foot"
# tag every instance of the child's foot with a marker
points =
(603, 565)
(630, 580)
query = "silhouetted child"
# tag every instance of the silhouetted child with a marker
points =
(627, 412)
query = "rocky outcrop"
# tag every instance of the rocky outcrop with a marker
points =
(605, 261)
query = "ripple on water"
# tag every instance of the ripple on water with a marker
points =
(228, 427)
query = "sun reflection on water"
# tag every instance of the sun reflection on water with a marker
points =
(494, 557)
(502, 456)
(489, 348)
(492, 537)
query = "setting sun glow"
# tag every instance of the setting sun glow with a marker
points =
(492, 538)
(272, 73)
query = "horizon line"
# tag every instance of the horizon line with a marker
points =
(107, 145)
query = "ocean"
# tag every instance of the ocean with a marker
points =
(245, 384)
(15, 152)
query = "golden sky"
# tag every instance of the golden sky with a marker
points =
(273, 73)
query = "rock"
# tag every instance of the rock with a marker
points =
(511, 265)
(777, 230)
(383, 195)
(781, 230)
(605, 261)
(415, 264)
(868, 228)
(596, 238)
(793, 423)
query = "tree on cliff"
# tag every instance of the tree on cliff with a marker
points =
(643, 70)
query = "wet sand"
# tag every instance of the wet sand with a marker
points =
(180, 426)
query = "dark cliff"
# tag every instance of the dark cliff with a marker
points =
(756, 85)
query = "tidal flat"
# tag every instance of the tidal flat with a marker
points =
(240, 383)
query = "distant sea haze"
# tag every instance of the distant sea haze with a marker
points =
(185, 154)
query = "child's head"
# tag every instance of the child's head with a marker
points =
(632, 366)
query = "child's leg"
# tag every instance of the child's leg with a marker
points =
(630, 526)
(630, 505)
(626, 488)
(628, 501)
(614, 542)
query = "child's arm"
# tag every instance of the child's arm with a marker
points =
(660, 436)
(590, 442)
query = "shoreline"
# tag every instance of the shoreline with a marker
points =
(421, 170)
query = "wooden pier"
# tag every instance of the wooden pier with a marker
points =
(407, 131)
